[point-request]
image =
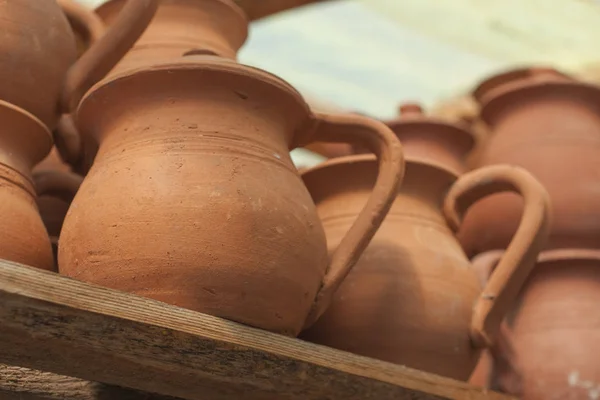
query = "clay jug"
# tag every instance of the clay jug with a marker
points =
(433, 139)
(196, 201)
(183, 28)
(548, 124)
(413, 298)
(554, 328)
(24, 142)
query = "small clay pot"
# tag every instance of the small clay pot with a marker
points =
(413, 298)
(183, 28)
(548, 124)
(24, 142)
(196, 201)
(554, 329)
(433, 139)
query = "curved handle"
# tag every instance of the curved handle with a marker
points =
(383, 142)
(63, 185)
(82, 19)
(519, 258)
(103, 55)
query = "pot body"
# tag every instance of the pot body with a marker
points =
(193, 198)
(183, 28)
(555, 330)
(553, 131)
(409, 298)
(36, 50)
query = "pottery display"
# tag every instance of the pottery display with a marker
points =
(554, 328)
(24, 142)
(433, 139)
(196, 201)
(548, 124)
(183, 28)
(413, 298)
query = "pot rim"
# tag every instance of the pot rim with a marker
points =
(514, 92)
(489, 84)
(568, 254)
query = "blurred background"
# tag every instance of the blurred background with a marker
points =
(368, 55)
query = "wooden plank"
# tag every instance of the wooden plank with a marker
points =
(56, 324)
(18, 383)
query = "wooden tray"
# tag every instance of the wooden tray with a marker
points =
(56, 324)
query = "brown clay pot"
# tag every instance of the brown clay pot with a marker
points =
(433, 139)
(548, 124)
(183, 28)
(554, 328)
(196, 201)
(412, 298)
(24, 142)
(264, 8)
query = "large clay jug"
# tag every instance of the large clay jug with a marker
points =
(548, 124)
(413, 298)
(193, 198)
(555, 329)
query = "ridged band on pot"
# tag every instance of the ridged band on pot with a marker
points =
(414, 281)
(196, 201)
(24, 142)
(548, 124)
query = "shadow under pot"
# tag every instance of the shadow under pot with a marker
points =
(413, 299)
(193, 198)
(549, 125)
(555, 329)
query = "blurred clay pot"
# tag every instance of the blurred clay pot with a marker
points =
(555, 329)
(184, 28)
(548, 124)
(433, 139)
(24, 142)
(412, 298)
(203, 187)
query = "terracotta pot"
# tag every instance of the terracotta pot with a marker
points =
(412, 298)
(549, 125)
(433, 139)
(55, 189)
(488, 85)
(554, 329)
(264, 8)
(196, 201)
(183, 28)
(24, 141)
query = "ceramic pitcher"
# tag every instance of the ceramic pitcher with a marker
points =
(413, 298)
(196, 201)
(554, 328)
(548, 124)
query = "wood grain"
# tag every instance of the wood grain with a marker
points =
(52, 323)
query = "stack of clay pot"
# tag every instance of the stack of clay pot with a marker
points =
(413, 298)
(549, 124)
(40, 79)
(192, 197)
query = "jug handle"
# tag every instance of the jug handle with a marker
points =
(503, 285)
(63, 185)
(83, 19)
(346, 128)
(103, 55)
